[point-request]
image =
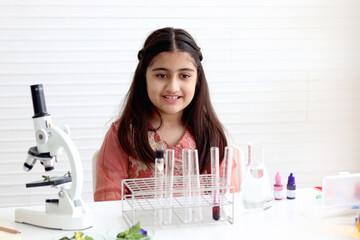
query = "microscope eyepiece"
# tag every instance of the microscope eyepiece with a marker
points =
(38, 99)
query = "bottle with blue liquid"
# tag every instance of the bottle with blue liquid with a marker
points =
(291, 187)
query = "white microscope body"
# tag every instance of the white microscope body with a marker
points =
(69, 211)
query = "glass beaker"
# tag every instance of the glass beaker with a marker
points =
(256, 190)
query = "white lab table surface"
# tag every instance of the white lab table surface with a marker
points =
(285, 220)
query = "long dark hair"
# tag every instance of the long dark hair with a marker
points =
(199, 116)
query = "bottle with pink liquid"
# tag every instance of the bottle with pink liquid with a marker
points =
(278, 187)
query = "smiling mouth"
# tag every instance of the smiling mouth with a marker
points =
(172, 97)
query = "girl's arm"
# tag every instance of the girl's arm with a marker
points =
(238, 168)
(111, 168)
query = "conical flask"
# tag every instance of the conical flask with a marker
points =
(256, 190)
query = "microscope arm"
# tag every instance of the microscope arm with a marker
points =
(59, 139)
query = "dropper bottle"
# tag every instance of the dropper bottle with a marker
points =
(291, 187)
(278, 187)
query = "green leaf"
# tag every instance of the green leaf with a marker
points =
(78, 235)
(137, 236)
(64, 238)
(133, 233)
(123, 234)
(135, 229)
(88, 238)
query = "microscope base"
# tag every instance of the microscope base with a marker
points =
(53, 221)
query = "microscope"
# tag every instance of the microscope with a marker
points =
(68, 211)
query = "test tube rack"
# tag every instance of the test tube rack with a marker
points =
(139, 202)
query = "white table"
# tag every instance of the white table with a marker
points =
(283, 221)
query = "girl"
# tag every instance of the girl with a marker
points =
(167, 107)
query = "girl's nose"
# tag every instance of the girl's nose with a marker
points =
(172, 84)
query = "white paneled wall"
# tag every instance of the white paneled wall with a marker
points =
(282, 72)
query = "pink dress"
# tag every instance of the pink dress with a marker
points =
(114, 164)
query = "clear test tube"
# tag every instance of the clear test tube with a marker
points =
(215, 172)
(159, 186)
(187, 169)
(169, 182)
(195, 172)
(228, 159)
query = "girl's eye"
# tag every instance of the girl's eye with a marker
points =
(161, 75)
(185, 76)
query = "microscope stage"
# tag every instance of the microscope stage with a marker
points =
(53, 181)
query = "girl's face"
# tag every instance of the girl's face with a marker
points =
(170, 81)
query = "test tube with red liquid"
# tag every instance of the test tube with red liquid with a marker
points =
(215, 174)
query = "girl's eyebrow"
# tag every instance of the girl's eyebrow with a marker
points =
(179, 70)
